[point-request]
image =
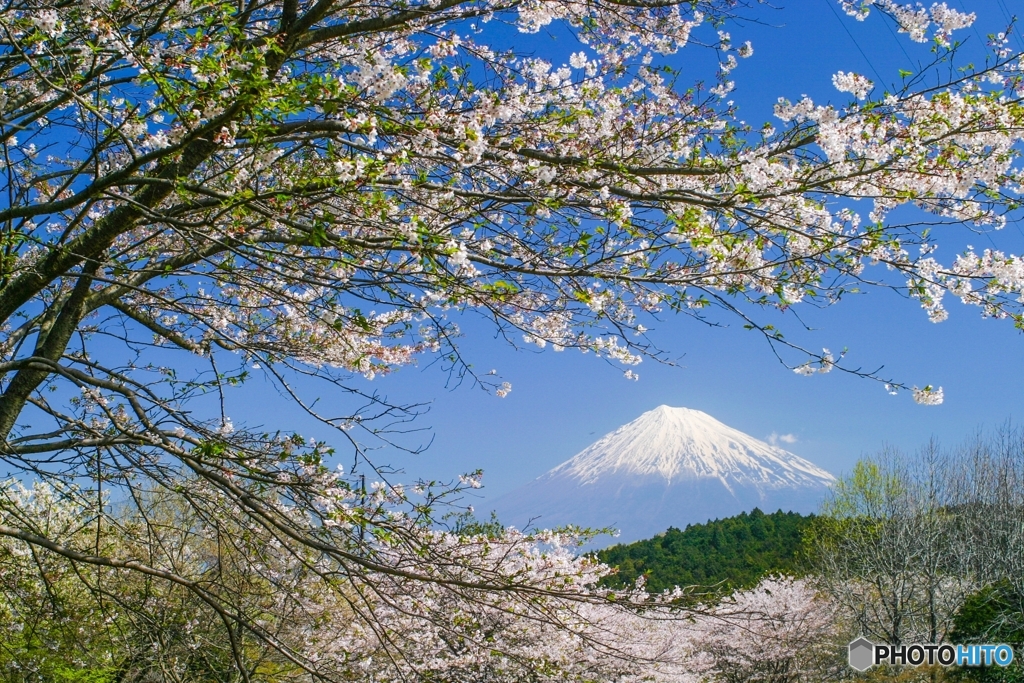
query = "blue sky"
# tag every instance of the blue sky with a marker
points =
(561, 402)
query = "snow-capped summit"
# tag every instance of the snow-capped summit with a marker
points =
(681, 443)
(668, 467)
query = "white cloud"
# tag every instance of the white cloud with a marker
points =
(775, 438)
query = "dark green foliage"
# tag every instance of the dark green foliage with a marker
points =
(734, 552)
(466, 524)
(992, 615)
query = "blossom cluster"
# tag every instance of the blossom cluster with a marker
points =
(386, 625)
(915, 19)
(427, 173)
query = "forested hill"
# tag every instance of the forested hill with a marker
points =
(736, 550)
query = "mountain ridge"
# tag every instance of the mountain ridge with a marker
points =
(679, 440)
(668, 467)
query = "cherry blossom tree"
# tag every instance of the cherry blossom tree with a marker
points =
(780, 631)
(206, 599)
(105, 623)
(315, 190)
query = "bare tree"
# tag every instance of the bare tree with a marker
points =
(988, 498)
(904, 540)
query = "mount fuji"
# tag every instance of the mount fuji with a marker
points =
(668, 467)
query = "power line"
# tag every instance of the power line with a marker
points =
(899, 42)
(1010, 19)
(856, 44)
(974, 25)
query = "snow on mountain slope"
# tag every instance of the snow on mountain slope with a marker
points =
(680, 443)
(668, 467)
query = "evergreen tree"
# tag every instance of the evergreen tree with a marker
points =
(726, 554)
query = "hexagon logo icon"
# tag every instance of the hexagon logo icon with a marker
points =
(862, 654)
